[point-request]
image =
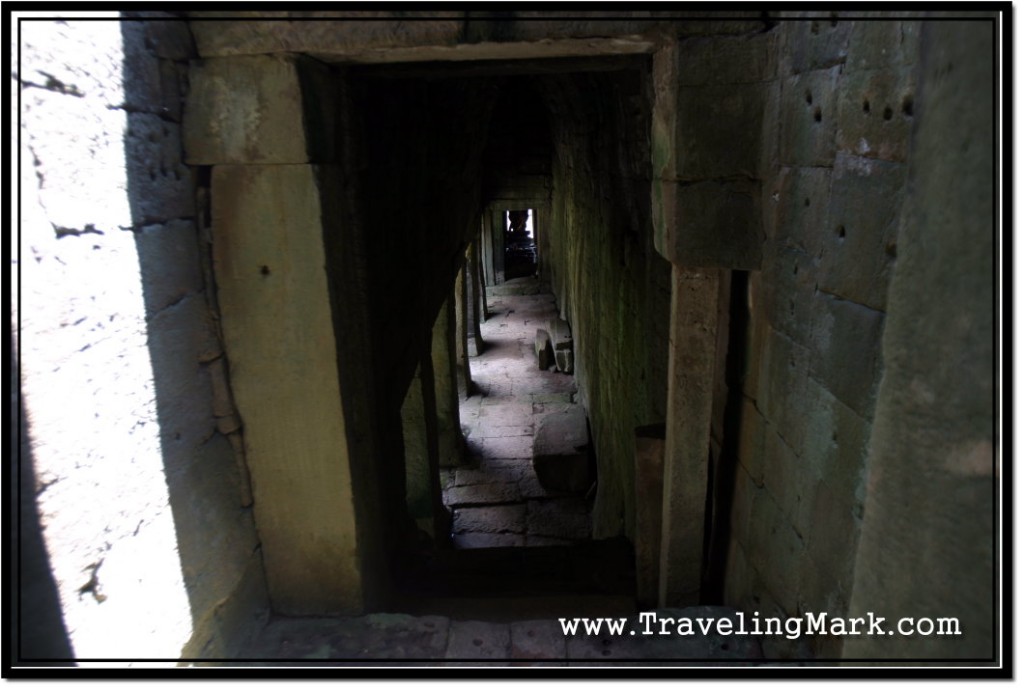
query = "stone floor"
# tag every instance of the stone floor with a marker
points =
(497, 500)
(402, 639)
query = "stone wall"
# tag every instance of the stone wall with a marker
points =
(610, 284)
(132, 451)
(839, 120)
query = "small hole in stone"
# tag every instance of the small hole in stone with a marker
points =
(867, 106)
(908, 106)
(265, 270)
(890, 249)
(887, 113)
(724, 646)
(814, 27)
(808, 98)
(477, 642)
(792, 307)
(807, 202)
(817, 114)
(796, 268)
(841, 231)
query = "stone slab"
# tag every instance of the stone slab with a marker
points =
(561, 451)
(491, 519)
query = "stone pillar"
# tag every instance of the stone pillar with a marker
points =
(479, 287)
(475, 344)
(928, 536)
(691, 386)
(498, 228)
(270, 263)
(462, 331)
(487, 247)
(249, 117)
(449, 430)
(422, 469)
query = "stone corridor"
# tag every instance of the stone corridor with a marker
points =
(496, 499)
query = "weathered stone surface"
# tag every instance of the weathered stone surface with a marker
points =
(727, 59)
(808, 118)
(560, 451)
(648, 643)
(260, 109)
(848, 358)
(542, 346)
(490, 493)
(878, 44)
(783, 386)
(860, 245)
(491, 519)
(932, 449)
(876, 111)
(279, 338)
(565, 360)
(719, 131)
(560, 334)
(478, 640)
(817, 43)
(565, 518)
(709, 224)
(801, 214)
(539, 639)
(170, 256)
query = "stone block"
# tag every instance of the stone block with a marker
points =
(542, 346)
(160, 185)
(876, 44)
(564, 361)
(169, 262)
(327, 37)
(477, 495)
(561, 455)
(269, 260)
(847, 355)
(260, 109)
(719, 131)
(837, 444)
(808, 118)
(487, 540)
(170, 39)
(727, 59)
(560, 334)
(801, 215)
(876, 111)
(781, 392)
(565, 518)
(709, 224)
(491, 519)
(817, 43)
(790, 291)
(860, 246)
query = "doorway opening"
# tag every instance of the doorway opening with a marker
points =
(520, 244)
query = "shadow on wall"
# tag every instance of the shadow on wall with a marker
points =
(39, 623)
(200, 433)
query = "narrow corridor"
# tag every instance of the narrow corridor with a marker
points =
(497, 499)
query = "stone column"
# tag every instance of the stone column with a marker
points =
(691, 384)
(707, 207)
(462, 331)
(449, 431)
(422, 469)
(475, 344)
(247, 118)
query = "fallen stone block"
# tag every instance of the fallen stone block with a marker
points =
(564, 360)
(561, 451)
(542, 346)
